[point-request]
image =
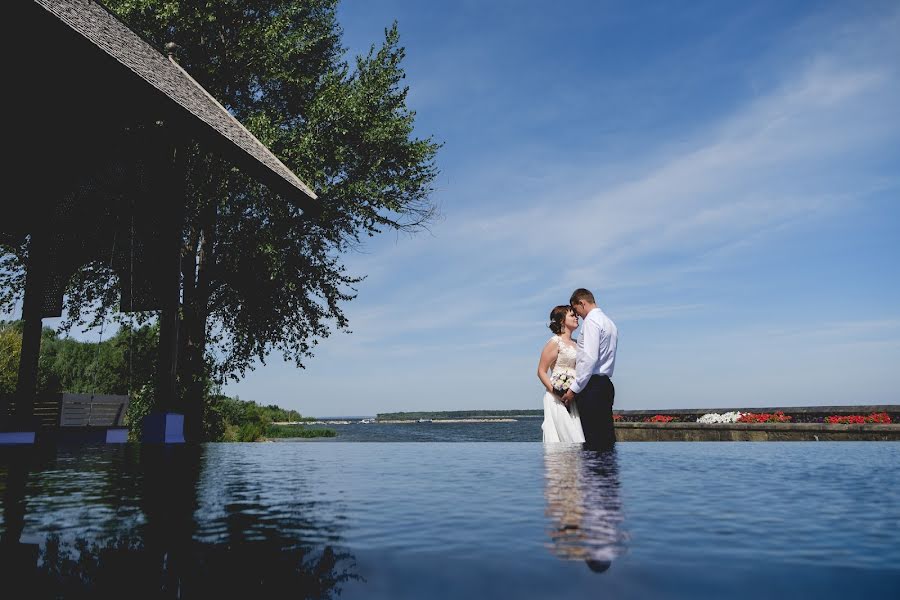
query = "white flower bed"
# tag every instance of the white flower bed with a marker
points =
(729, 417)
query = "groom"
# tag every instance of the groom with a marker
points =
(593, 389)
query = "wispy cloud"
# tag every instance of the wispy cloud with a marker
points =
(743, 176)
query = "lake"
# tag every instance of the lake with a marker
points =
(522, 429)
(452, 520)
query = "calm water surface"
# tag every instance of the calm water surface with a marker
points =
(452, 520)
(522, 429)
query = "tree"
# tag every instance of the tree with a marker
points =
(257, 277)
(119, 365)
(10, 350)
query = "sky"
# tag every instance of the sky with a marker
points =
(723, 175)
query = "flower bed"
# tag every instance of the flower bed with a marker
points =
(859, 419)
(775, 417)
(659, 419)
(729, 417)
(771, 416)
(654, 419)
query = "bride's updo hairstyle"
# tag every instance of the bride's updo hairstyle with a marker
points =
(558, 316)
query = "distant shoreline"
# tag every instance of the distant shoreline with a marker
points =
(474, 420)
(494, 419)
(446, 415)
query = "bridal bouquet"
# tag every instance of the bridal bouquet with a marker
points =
(561, 382)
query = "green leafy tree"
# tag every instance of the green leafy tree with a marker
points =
(238, 420)
(257, 277)
(119, 365)
(10, 350)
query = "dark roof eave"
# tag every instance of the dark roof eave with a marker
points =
(191, 101)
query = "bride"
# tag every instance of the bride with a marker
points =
(560, 424)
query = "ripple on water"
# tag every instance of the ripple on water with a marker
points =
(514, 510)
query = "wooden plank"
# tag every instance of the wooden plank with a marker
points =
(45, 409)
(105, 410)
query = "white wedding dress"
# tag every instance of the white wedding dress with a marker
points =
(560, 425)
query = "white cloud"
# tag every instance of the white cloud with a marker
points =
(737, 182)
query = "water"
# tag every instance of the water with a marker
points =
(523, 429)
(451, 520)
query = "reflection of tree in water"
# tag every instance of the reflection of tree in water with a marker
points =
(252, 552)
(127, 567)
(584, 505)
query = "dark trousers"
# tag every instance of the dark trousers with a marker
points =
(595, 404)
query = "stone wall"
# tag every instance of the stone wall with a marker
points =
(754, 432)
(805, 426)
(800, 413)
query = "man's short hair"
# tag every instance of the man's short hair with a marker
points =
(581, 294)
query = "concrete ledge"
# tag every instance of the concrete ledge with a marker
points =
(83, 435)
(12, 438)
(163, 428)
(754, 432)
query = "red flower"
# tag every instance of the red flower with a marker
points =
(882, 417)
(776, 417)
(659, 419)
(859, 419)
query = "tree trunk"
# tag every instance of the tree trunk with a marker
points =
(194, 373)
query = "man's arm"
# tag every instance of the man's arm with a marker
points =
(590, 352)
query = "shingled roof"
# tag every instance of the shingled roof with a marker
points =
(110, 35)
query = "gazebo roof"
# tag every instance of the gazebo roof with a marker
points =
(112, 37)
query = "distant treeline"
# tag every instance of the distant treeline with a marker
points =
(460, 414)
(235, 420)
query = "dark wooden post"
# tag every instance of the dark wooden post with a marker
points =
(32, 308)
(167, 393)
(168, 340)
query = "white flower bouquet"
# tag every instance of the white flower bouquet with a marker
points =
(729, 417)
(561, 381)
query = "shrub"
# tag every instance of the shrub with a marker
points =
(297, 431)
(659, 419)
(10, 350)
(776, 417)
(729, 417)
(859, 419)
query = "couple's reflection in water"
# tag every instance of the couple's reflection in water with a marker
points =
(584, 507)
(162, 546)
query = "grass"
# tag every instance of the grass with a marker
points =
(297, 431)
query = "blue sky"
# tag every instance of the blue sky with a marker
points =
(723, 175)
